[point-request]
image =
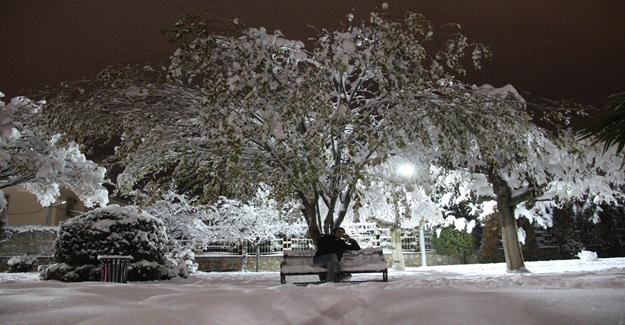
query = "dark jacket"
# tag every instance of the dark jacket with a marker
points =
(329, 244)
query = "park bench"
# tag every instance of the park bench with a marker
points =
(367, 260)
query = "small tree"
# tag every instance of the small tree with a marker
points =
(256, 221)
(453, 242)
(184, 223)
(489, 245)
(611, 243)
(566, 230)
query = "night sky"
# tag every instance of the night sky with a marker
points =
(556, 48)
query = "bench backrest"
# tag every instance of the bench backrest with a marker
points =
(363, 256)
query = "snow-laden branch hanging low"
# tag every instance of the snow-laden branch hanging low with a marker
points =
(40, 164)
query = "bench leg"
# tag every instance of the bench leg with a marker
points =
(385, 276)
(282, 278)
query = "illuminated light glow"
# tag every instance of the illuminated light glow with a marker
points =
(406, 170)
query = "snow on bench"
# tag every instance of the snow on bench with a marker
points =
(367, 260)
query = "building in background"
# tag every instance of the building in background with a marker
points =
(24, 209)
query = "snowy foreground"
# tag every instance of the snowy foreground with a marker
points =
(556, 292)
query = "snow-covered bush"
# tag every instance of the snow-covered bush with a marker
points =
(587, 256)
(181, 262)
(22, 263)
(112, 230)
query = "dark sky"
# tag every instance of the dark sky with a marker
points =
(550, 48)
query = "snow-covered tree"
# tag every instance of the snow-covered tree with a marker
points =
(532, 170)
(430, 195)
(526, 170)
(392, 199)
(148, 133)
(184, 221)
(258, 220)
(310, 121)
(260, 108)
(40, 164)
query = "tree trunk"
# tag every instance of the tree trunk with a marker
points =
(511, 247)
(398, 256)
(309, 210)
(3, 215)
(318, 226)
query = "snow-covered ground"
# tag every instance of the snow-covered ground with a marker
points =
(555, 292)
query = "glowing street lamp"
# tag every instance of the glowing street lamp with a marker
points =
(406, 170)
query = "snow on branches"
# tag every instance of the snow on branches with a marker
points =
(256, 221)
(309, 121)
(42, 166)
(183, 219)
(192, 225)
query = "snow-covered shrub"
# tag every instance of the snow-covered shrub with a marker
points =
(181, 262)
(22, 263)
(183, 220)
(112, 230)
(69, 273)
(587, 256)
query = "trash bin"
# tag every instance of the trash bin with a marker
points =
(115, 268)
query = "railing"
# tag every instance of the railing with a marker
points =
(367, 238)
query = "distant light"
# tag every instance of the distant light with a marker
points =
(406, 170)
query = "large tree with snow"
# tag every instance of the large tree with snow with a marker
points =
(502, 156)
(310, 121)
(259, 108)
(530, 170)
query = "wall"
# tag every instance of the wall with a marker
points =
(24, 209)
(271, 263)
(27, 240)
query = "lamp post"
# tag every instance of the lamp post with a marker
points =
(424, 257)
(398, 254)
(405, 171)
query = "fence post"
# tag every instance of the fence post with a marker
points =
(244, 252)
(257, 256)
(286, 243)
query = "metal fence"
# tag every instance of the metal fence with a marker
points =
(367, 235)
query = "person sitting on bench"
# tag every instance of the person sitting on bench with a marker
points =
(330, 251)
